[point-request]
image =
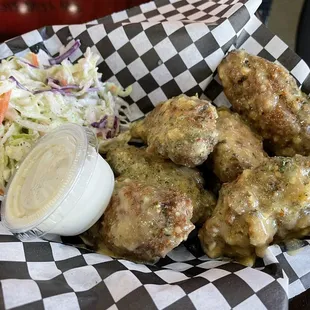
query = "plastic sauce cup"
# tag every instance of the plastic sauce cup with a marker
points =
(63, 186)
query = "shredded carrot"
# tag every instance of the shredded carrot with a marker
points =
(63, 82)
(113, 88)
(34, 59)
(4, 104)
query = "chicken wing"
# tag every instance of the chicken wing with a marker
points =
(136, 163)
(239, 148)
(144, 222)
(182, 129)
(268, 204)
(268, 98)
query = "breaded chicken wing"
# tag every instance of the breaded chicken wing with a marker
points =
(182, 129)
(136, 163)
(268, 98)
(144, 222)
(239, 148)
(268, 204)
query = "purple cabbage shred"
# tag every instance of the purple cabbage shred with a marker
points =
(18, 84)
(51, 90)
(109, 134)
(27, 63)
(65, 55)
(101, 124)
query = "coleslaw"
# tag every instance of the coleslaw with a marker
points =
(35, 98)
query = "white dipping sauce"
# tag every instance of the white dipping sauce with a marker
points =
(62, 187)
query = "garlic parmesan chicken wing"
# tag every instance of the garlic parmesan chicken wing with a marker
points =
(136, 163)
(182, 129)
(270, 203)
(144, 222)
(268, 98)
(239, 148)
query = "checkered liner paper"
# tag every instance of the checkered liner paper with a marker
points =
(163, 49)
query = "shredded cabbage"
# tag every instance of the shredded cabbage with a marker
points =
(45, 97)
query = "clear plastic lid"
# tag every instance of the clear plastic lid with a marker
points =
(34, 199)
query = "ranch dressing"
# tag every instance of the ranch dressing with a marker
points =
(62, 187)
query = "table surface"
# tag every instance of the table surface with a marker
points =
(18, 17)
(301, 301)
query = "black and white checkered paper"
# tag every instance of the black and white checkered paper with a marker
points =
(163, 49)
